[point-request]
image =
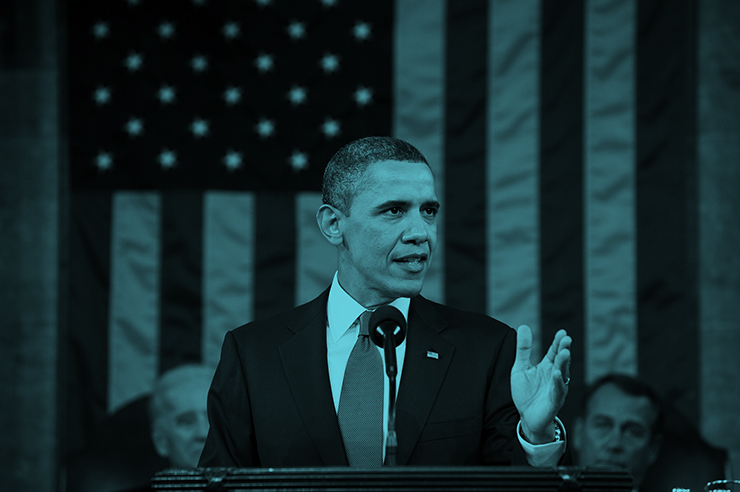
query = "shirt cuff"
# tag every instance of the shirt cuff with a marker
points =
(543, 455)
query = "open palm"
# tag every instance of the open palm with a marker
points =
(539, 391)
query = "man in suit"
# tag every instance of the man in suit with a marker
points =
(467, 393)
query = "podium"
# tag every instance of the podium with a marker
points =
(389, 479)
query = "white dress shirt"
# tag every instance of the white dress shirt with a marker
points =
(341, 312)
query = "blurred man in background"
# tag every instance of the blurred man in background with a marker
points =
(621, 425)
(164, 429)
(178, 414)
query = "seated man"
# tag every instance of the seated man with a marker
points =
(178, 414)
(621, 425)
(154, 432)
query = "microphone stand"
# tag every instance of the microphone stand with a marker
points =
(391, 366)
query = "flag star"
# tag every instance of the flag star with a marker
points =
(264, 63)
(330, 127)
(166, 30)
(265, 128)
(199, 63)
(167, 159)
(101, 30)
(298, 160)
(233, 160)
(133, 61)
(231, 30)
(330, 63)
(134, 127)
(361, 31)
(104, 161)
(297, 95)
(363, 96)
(232, 95)
(166, 94)
(199, 127)
(296, 30)
(102, 95)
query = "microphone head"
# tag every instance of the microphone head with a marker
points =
(387, 319)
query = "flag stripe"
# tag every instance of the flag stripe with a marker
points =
(719, 233)
(465, 135)
(316, 258)
(609, 204)
(133, 346)
(228, 267)
(419, 97)
(274, 253)
(665, 199)
(561, 173)
(181, 266)
(89, 313)
(513, 165)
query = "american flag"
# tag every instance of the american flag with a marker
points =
(561, 133)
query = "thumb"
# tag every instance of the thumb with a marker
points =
(523, 348)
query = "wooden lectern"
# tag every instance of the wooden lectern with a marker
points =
(389, 479)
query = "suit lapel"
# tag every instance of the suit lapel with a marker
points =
(304, 361)
(423, 373)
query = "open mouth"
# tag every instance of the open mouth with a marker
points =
(414, 263)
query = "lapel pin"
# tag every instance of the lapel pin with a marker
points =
(432, 355)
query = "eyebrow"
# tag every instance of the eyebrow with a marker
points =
(406, 204)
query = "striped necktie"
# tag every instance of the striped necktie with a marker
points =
(361, 401)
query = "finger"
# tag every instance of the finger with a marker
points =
(565, 342)
(562, 365)
(523, 347)
(553, 350)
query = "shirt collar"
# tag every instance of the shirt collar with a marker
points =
(342, 310)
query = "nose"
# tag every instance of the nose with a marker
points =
(418, 229)
(615, 441)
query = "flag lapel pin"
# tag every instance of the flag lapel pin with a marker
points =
(432, 355)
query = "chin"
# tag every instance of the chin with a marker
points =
(410, 289)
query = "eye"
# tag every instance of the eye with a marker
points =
(601, 424)
(186, 419)
(636, 431)
(394, 211)
(431, 211)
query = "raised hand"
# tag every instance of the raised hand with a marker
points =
(539, 391)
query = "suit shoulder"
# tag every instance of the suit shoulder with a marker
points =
(288, 320)
(456, 317)
(456, 314)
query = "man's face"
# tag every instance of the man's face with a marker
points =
(181, 433)
(390, 233)
(617, 431)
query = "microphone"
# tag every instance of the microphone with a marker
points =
(387, 329)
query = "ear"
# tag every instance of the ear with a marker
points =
(159, 439)
(656, 444)
(329, 220)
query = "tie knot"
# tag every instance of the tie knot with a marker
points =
(364, 319)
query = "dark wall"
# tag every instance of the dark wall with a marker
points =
(29, 212)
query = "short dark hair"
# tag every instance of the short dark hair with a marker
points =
(633, 387)
(345, 170)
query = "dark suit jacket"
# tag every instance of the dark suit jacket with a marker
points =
(270, 404)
